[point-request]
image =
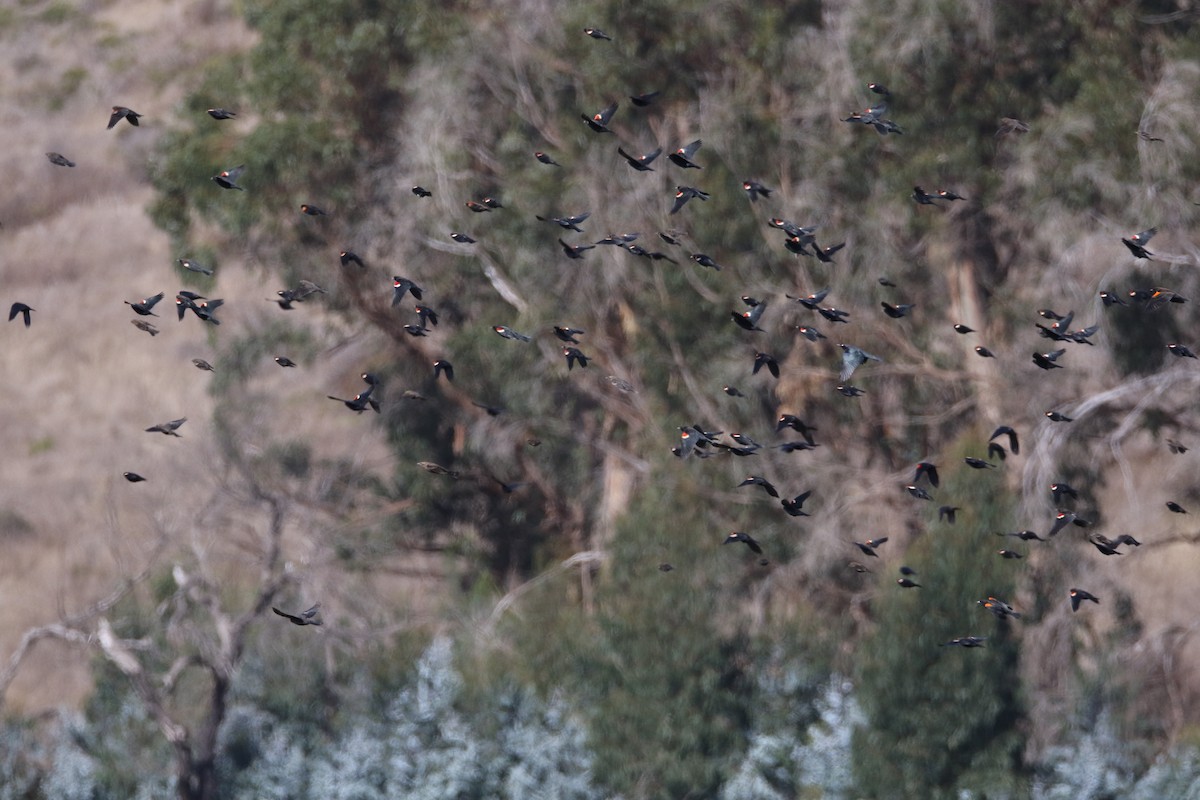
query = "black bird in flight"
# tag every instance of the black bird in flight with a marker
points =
(645, 99)
(402, 286)
(766, 360)
(948, 513)
(122, 113)
(966, 641)
(641, 163)
(685, 193)
(167, 428)
(1001, 609)
(596, 33)
(923, 198)
(739, 536)
(960, 328)
(1054, 416)
(360, 402)
(421, 191)
(313, 211)
(227, 179)
(825, 256)
(853, 358)
(683, 156)
(908, 583)
(220, 113)
(1175, 507)
(1047, 360)
(508, 333)
(133, 477)
(1014, 443)
(599, 121)
(284, 361)
(1138, 241)
(897, 311)
(145, 307)
(868, 547)
(978, 463)
(349, 257)
(201, 364)
(570, 223)
(929, 471)
(574, 356)
(194, 266)
(309, 617)
(461, 238)
(575, 251)
(758, 480)
(58, 159)
(568, 334)
(1180, 350)
(443, 366)
(748, 320)
(984, 352)
(755, 190)
(795, 506)
(545, 159)
(23, 310)
(1079, 595)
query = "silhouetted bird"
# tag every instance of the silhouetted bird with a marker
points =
(461, 238)
(142, 325)
(795, 506)
(168, 428)
(825, 256)
(853, 358)
(221, 113)
(758, 480)
(1079, 595)
(437, 469)
(948, 195)
(567, 334)
(200, 363)
(960, 328)
(575, 251)
(1054, 416)
(574, 356)
(227, 179)
(897, 311)
(570, 223)
(978, 463)
(645, 99)
(705, 260)
(442, 366)
(1175, 507)
(966, 641)
(1046, 360)
(599, 121)
(755, 190)
(922, 197)
(194, 266)
(641, 163)
(683, 156)
(545, 159)
(1180, 350)
(868, 547)
(596, 33)
(421, 191)
(1176, 447)
(1001, 609)
(313, 211)
(309, 617)
(1111, 299)
(122, 113)
(23, 310)
(58, 159)
(1138, 241)
(402, 286)
(947, 513)
(1014, 443)
(284, 361)
(508, 333)
(732, 391)
(929, 471)
(983, 351)
(1009, 554)
(145, 307)
(685, 193)
(133, 477)
(766, 360)
(918, 492)
(908, 583)
(739, 536)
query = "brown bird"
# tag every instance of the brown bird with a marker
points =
(167, 428)
(142, 325)
(122, 113)
(58, 159)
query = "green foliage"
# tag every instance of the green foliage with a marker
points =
(944, 720)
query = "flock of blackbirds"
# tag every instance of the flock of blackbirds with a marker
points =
(694, 440)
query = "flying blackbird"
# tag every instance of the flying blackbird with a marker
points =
(284, 361)
(853, 358)
(167, 428)
(220, 113)
(758, 480)
(683, 156)
(947, 513)
(575, 251)
(1054, 416)
(929, 471)
(599, 121)
(619, 239)
(766, 360)
(205, 309)
(133, 477)
(1111, 299)
(427, 315)
(508, 333)
(194, 266)
(825, 256)
(22, 309)
(641, 163)
(421, 191)
(732, 391)
(1024, 536)
(1180, 350)
(58, 159)
(960, 328)
(574, 356)
(200, 363)
(849, 391)
(360, 402)
(796, 424)
(437, 469)
(309, 617)
(922, 197)
(1104, 544)
(645, 99)
(1065, 518)
(461, 238)
(978, 463)
(545, 159)
(897, 311)
(738, 536)
(795, 506)
(370, 380)
(1138, 241)
(810, 333)
(144, 307)
(908, 583)
(443, 366)
(996, 450)
(868, 547)
(754, 190)
(1176, 447)
(918, 492)
(1001, 609)
(1014, 443)
(142, 325)
(227, 179)
(596, 33)
(813, 301)
(685, 193)
(886, 281)
(706, 260)
(984, 352)
(1079, 595)
(570, 223)
(122, 113)
(966, 641)
(834, 314)
(1009, 554)
(567, 334)
(1178, 509)
(416, 330)
(1059, 490)
(402, 286)
(748, 320)
(313, 211)
(947, 195)
(1046, 360)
